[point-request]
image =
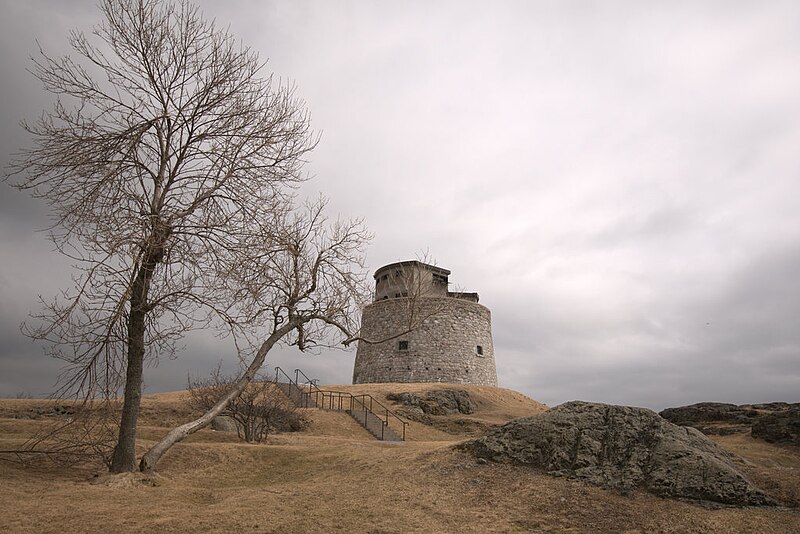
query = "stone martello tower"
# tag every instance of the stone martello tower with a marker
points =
(450, 339)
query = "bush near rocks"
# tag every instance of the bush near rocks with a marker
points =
(621, 447)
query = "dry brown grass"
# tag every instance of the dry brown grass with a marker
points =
(336, 478)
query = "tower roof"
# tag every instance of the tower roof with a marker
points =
(409, 263)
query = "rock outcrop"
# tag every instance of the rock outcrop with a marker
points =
(623, 448)
(437, 402)
(224, 423)
(709, 412)
(712, 417)
(781, 426)
(428, 410)
(775, 422)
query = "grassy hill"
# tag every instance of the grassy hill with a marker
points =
(334, 477)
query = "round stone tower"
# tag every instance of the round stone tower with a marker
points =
(429, 334)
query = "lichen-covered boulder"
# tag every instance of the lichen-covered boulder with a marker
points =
(437, 402)
(709, 412)
(621, 447)
(448, 401)
(781, 426)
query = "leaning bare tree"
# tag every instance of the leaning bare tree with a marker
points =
(165, 153)
(304, 288)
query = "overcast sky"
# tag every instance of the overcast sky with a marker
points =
(620, 181)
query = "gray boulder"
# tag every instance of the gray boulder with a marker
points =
(437, 402)
(405, 398)
(224, 423)
(713, 417)
(448, 401)
(709, 412)
(623, 448)
(775, 422)
(781, 426)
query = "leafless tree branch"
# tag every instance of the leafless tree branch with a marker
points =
(167, 150)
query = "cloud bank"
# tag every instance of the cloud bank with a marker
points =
(619, 181)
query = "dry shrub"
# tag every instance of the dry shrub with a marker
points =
(80, 433)
(262, 408)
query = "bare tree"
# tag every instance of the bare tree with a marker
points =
(304, 289)
(260, 409)
(166, 153)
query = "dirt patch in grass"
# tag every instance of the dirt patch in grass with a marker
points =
(775, 468)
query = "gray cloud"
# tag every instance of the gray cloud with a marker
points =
(618, 181)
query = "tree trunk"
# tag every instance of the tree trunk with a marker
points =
(124, 458)
(151, 457)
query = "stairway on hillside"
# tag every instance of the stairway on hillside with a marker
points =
(374, 424)
(366, 410)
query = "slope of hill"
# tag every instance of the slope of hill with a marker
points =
(334, 477)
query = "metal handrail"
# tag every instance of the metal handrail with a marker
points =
(320, 396)
(386, 411)
(281, 371)
(304, 396)
(331, 398)
(311, 382)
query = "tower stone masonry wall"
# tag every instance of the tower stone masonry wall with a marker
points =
(446, 347)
